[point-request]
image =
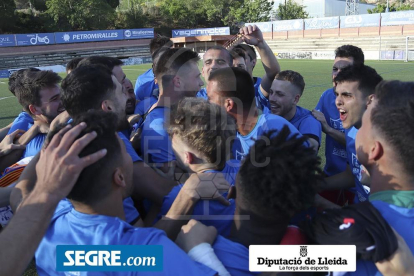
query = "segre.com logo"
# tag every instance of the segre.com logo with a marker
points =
(109, 258)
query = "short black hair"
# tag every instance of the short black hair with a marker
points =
(171, 61)
(393, 117)
(16, 76)
(366, 76)
(235, 83)
(92, 184)
(73, 63)
(347, 51)
(27, 89)
(278, 176)
(221, 48)
(248, 49)
(109, 62)
(85, 88)
(159, 42)
(237, 52)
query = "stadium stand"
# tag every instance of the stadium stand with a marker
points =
(50, 56)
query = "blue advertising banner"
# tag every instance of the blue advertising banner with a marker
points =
(322, 23)
(397, 18)
(7, 40)
(362, 20)
(263, 26)
(139, 33)
(109, 258)
(89, 36)
(200, 32)
(288, 25)
(35, 39)
(4, 74)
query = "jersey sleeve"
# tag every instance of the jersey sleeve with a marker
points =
(311, 127)
(22, 121)
(130, 150)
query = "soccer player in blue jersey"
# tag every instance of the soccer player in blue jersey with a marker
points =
(178, 77)
(252, 35)
(96, 215)
(285, 93)
(147, 78)
(39, 94)
(202, 134)
(232, 89)
(354, 88)
(384, 147)
(327, 113)
(215, 58)
(275, 182)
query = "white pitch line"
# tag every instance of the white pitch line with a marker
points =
(6, 98)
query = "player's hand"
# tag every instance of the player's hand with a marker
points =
(7, 145)
(62, 118)
(42, 126)
(321, 118)
(195, 233)
(133, 119)
(401, 263)
(59, 165)
(252, 35)
(207, 186)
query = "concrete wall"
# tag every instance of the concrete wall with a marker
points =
(405, 30)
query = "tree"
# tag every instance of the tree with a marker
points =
(249, 11)
(186, 14)
(8, 16)
(381, 8)
(81, 15)
(291, 10)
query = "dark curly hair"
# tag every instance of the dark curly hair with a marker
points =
(15, 77)
(90, 185)
(393, 117)
(347, 51)
(278, 177)
(71, 65)
(366, 76)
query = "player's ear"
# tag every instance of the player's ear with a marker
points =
(376, 151)
(229, 104)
